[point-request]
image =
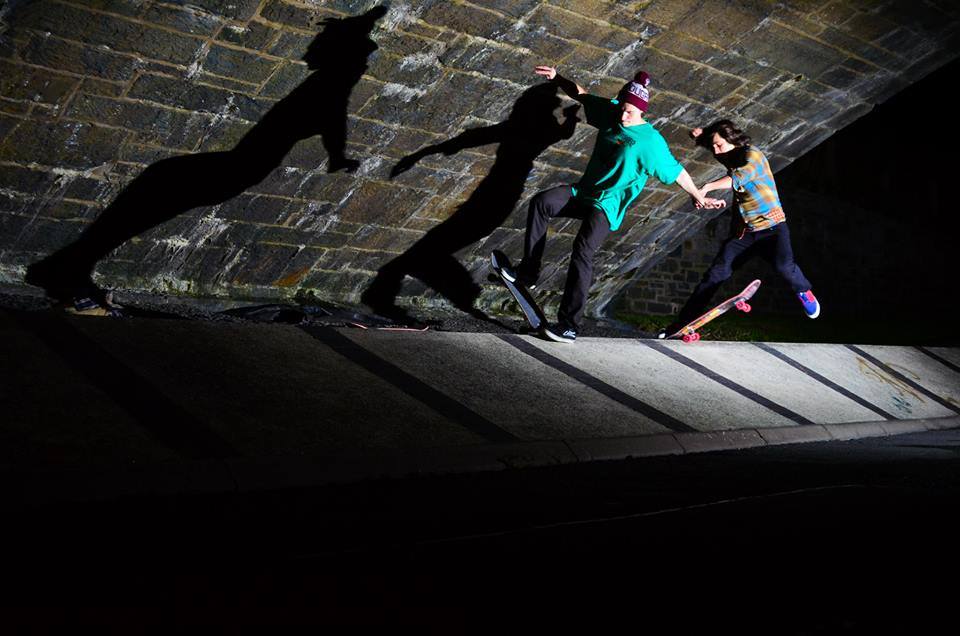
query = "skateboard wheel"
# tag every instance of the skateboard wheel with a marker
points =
(696, 337)
(688, 337)
(747, 308)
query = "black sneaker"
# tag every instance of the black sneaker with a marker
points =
(559, 334)
(517, 278)
(508, 273)
(669, 330)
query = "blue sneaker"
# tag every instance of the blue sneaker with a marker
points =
(561, 334)
(810, 304)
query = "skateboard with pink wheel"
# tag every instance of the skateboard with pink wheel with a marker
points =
(688, 333)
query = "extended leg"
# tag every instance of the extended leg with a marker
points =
(545, 206)
(782, 257)
(593, 230)
(721, 269)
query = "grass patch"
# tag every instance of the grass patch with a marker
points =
(758, 327)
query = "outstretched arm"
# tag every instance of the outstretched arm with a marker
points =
(723, 183)
(569, 87)
(467, 139)
(699, 199)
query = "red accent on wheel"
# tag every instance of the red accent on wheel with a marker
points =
(740, 305)
(747, 308)
(689, 337)
(696, 337)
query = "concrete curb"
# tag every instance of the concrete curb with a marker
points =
(41, 487)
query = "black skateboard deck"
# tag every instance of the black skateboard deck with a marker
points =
(521, 294)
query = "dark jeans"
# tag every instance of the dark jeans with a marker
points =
(594, 228)
(773, 244)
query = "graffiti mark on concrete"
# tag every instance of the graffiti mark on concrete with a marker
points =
(902, 398)
(902, 404)
(903, 370)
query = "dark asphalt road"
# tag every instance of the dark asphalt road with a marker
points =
(841, 537)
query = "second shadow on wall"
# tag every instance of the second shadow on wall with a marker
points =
(531, 128)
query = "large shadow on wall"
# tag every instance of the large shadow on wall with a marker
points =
(318, 106)
(531, 128)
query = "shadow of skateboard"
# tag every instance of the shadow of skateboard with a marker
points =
(689, 331)
(531, 310)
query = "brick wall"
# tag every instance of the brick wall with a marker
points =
(93, 92)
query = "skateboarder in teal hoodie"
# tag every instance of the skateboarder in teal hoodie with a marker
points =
(628, 150)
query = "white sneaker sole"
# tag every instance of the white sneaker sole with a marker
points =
(557, 338)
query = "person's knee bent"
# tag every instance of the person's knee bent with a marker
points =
(540, 205)
(716, 275)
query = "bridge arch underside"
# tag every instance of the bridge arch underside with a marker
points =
(276, 149)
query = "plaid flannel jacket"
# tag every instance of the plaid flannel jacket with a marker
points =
(756, 193)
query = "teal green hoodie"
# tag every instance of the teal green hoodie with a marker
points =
(622, 159)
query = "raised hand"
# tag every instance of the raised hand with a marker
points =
(547, 71)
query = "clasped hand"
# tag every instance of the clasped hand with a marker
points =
(709, 203)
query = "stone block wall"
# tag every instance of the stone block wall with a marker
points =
(445, 118)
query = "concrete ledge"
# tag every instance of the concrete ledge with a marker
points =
(38, 487)
(941, 423)
(720, 440)
(855, 430)
(904, 426)
(795, 434)
(588, 450)
(516, 455)
(276, 473)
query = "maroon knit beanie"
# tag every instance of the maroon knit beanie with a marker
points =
(636, 92)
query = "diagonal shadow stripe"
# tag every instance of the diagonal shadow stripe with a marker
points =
(598, 385)
(824, 380)
(939, 359)
(164, 419)
(728, 383)
(411, 385)
(902, 378)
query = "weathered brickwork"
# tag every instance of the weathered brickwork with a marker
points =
(451, 136)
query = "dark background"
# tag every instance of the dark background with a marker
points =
(852, 537)
(873, 221)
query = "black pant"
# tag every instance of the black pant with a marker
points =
(594, 228)
(773, 244)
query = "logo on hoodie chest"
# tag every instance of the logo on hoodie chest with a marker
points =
(618, 140)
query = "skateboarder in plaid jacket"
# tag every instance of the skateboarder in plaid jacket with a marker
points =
(763, 225)
(628, 150)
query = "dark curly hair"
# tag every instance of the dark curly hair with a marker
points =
(726, 129)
